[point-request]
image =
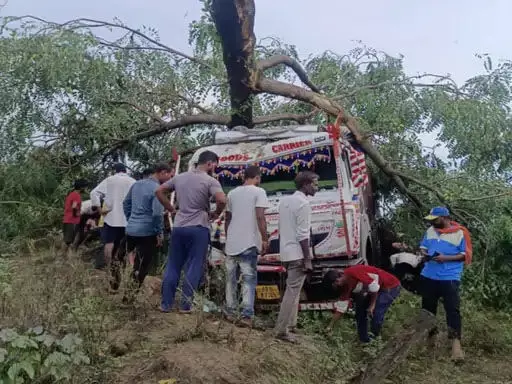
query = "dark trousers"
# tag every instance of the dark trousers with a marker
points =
(448, 290)
(188, 248)
(384, 300)
(145, 250)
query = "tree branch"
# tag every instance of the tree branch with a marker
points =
(205, 119)
(85, 23)
(320, 101)
(489, 197)
(290, 62)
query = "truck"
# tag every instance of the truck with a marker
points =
(343, 212)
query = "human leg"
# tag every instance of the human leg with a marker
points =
(175, 260)
(451, 302)
(361, 308)
(289, 304)
(199, 240)
(231, 285)
(248, 263)
(146, 250)
(384, 301)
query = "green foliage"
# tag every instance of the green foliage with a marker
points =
(35, 355)
(67, 97)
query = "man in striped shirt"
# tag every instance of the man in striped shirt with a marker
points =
(373, 290)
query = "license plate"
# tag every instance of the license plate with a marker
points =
(267, 292)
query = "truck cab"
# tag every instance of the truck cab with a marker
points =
(342, 209)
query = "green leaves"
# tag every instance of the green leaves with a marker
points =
(37, 354)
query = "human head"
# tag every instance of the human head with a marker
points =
(80, 185)
(162, 172)
(307, 182)
(252, 175)
(147, 172)
(119, 168)
(207, 162)
(439, 217)
(334, 279)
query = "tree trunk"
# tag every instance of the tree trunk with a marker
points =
(397, 349)
(234, 20)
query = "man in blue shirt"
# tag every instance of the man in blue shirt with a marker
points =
(144, 215)
(446, 246)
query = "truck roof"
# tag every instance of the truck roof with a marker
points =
(241, 146)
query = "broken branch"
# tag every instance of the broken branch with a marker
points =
(290, 62)
(320, 101)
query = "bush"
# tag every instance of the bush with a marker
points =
(37, 355)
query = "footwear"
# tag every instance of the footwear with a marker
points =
(165, 309)
(457, 352)
(185, 311)
(288, 338)
(245, 322)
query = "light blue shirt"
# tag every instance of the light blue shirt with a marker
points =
(448, 244)
(142, 209)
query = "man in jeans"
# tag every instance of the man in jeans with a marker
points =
(294, 239)
(373, 290)
(190, 236)
(144, 231)
(246, 236)
(446, 246)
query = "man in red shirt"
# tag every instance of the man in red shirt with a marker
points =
(71, 218)
(373, 290)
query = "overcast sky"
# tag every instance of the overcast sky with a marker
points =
(435, 36)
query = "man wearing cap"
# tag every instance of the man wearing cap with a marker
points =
(113, 190)
(446, 246)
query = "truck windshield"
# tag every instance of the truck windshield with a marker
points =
(278, 174)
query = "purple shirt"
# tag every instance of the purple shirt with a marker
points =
(193, 192)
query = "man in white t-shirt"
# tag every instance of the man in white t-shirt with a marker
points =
(246, 237)
(113, 190)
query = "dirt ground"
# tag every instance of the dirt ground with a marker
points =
(138, 344)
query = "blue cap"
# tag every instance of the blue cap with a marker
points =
(438, 212)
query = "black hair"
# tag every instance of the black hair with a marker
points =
(80, 184)
(251, 172)
(119, 167)
(160, 167)
(148, 171)
(207, 156)
(329, 290)
(304, 178)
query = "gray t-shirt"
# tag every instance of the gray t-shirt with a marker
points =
(193, 192)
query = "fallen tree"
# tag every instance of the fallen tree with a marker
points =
(74, 100)
(397, 349)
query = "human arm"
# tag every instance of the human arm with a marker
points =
(98, 193)
(216, 191)
(340, 307)
(161, 194)
(227, 216)
(127, 204)
(461, 256)
(75, 206)
(261, 205)
(158, 220)
(303, 220)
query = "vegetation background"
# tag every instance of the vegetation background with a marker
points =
(72, 102)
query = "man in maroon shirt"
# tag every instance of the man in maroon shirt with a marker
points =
(373, 290)
(71, 218)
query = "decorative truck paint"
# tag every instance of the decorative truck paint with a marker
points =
(284, 150)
